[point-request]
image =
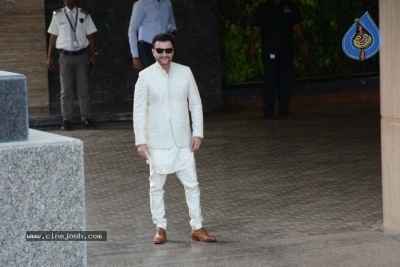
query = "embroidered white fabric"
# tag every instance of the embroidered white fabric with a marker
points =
(161, 107)
(170, 160)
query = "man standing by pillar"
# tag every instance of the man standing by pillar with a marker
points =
(149, 17)
(71, 32)
(276, 20)
(164, 94)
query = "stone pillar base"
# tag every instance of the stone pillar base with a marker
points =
(42, 188)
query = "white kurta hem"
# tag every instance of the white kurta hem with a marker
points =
(166, 161)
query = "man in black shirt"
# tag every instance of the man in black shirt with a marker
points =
(276, 20)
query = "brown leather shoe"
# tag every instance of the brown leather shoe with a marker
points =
(160, 237)
(202, 235)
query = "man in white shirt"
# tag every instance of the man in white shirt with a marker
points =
(149, 17)
(164, 94)
(71, 30)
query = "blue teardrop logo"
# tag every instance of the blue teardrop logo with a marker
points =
(363, 39)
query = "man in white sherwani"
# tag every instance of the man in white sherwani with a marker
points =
(164, 94)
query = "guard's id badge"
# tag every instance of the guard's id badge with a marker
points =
(75, 43)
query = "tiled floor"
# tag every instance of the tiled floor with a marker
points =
(304, 191)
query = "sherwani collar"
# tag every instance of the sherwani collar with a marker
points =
(159, 67)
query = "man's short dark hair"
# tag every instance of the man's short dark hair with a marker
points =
(163, 37)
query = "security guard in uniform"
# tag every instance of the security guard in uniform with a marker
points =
(71, 32)
(276, 20)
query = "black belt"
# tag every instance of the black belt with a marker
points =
(72, 53)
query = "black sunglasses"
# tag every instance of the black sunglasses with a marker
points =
(167, 50)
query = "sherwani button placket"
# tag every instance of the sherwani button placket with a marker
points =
(168, 92)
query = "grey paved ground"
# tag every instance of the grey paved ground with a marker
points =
(291, 192)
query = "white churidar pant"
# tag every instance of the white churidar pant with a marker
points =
(188, 178)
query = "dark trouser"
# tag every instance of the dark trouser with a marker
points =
(145, 53)
(70, 67)
(278, 75)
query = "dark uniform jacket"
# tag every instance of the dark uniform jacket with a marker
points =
(276, 23)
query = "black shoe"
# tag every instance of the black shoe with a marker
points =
(89, 124)
(268, 117)
(66, 126)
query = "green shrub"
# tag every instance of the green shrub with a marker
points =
(324, 25)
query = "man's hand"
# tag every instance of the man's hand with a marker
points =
(92, 61)
(52, 46)
(50, 63)
(298, 30)
(143, 150)
(253, 52)
(137, 64)
(174, 34)
(255, 33)
(195, 143)
(304, 49)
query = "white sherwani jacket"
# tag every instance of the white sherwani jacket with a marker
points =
(161, 107)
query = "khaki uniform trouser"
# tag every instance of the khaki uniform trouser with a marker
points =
(74, 67)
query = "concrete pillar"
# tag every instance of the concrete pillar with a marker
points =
(42, 186)
(390, 110)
